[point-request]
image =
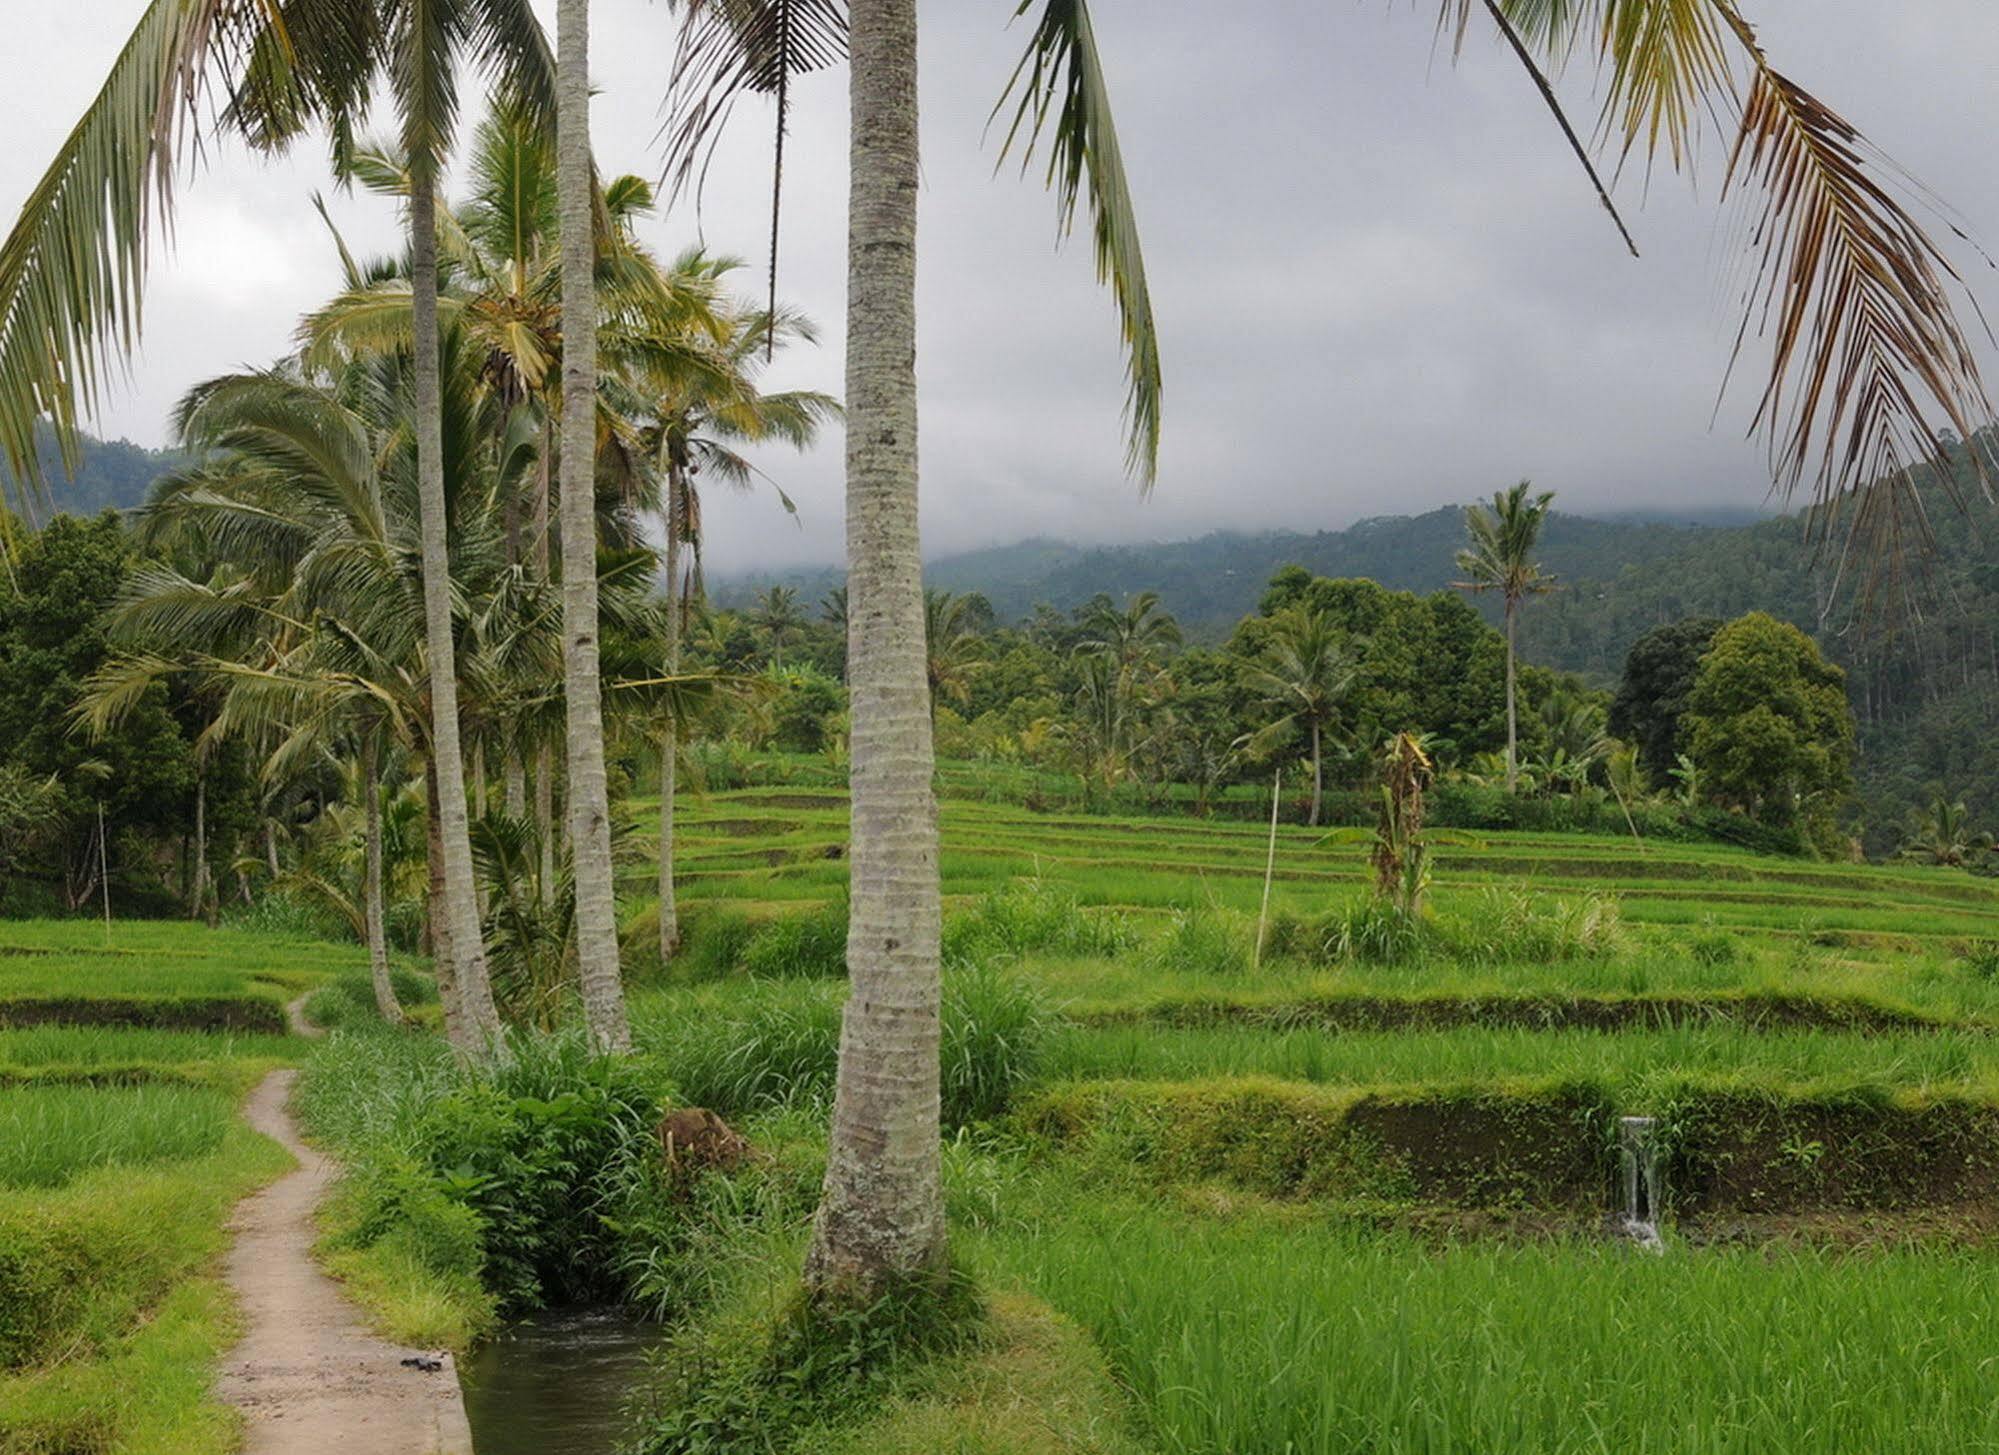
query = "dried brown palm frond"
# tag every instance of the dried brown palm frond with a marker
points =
(1870, 363)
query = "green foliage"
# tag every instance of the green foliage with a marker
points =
(350, 1000)
(1768, 724)
(542, 1156)
(51, 1134)
(800, 946)
(51, 641)
(1207, 941)
(1652, 694)
(1027, 916)
(776, 1044)
(776, 1383)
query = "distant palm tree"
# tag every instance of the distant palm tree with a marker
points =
(1943, 835)
(1500, 558)
(1134, 635)
(1305, 672)
(950, 644)
(833, 608)
(778, 615)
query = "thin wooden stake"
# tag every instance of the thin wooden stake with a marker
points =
(104, 872)
(1269, 865)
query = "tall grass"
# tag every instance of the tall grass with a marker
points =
(51, 1134)
(1245, 1335)
(775, 1044)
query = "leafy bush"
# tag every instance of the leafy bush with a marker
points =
(1374, 932)
(812, 945)
(777, 1383)
(525, 1175)
(1981, 958)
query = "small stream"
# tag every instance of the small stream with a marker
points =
(556, 1384)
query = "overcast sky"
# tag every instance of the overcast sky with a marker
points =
(1381, 282)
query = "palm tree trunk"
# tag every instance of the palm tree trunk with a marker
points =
(882, 1215)
(669, 752)
(1318, 775)
(1512, 721)
(371, 891)
(271, 848)
(459, 938)
(443, 964)
(544, 764)
(589, 799)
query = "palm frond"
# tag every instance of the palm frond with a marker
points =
(1061, 77)
(1870, 364)
(732, 48)
(72, 271)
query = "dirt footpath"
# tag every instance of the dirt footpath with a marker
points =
(308, 1376)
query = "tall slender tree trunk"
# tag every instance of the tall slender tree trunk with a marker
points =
(882, 1214)
(371, 890)
(460, 938)
(198, 896)
(1512, 719)
(589, 798)
(1318, 774)
(544, 761)
(271, 848)
(444, 965)
(669, 750)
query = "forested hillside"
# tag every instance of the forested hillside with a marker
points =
(1214, 581)
(112, 475)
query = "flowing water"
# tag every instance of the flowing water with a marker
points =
(1644, 1182)
(556, 1384)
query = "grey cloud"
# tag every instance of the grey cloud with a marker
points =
(1382, 284)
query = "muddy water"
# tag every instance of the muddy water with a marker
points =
(556, 1384)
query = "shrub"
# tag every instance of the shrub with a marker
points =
(1375, 932)
(546, 1157)
(776, 1383)
(1510, 927)
(812, 945)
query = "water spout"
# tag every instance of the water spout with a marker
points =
(1644, 1183)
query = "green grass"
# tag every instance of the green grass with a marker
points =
(50, 1134)
(1259, 1332)
(1636, 1062)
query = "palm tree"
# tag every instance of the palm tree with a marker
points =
(1305, 671)
(1134, 636)
(1943, 835)
(699, 417)
(589, 795)
(778, 615)
(949, 645)
(1500, 558)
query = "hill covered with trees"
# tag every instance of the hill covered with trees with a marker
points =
(111, 475)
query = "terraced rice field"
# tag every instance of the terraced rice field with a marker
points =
(1330, 1204)
(122, 1065)
(780, 846)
